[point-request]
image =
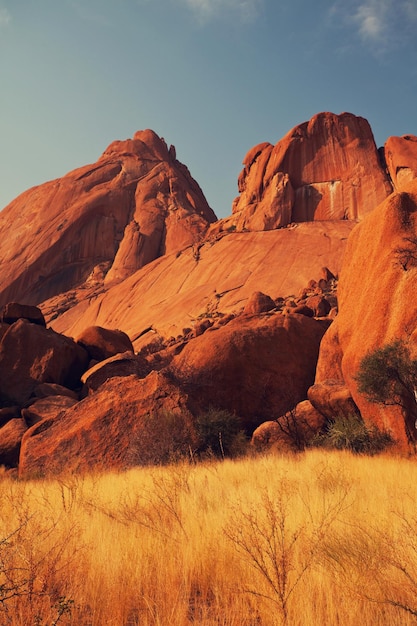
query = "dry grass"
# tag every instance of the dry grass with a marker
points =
(318, 538)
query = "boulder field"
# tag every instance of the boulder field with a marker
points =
(127, 304)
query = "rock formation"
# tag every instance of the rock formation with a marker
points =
(179, 291)
(229, 314)
(324, 169)
(376, 295)
(100, 223)
(401, 157)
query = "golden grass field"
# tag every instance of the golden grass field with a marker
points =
(319, 538)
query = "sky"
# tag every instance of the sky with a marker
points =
(213, 77)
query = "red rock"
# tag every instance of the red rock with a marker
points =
(44, 390)
(254, 367)
(102, 343)
(375, 310)
(319, 305)
(14, 311)
(330, 166)
(106, 219)
(44, 408)
(200, 327)
(104, 430)
(290, 432)
(301, 309)
(166, 296)
(401, 158)
(31, 354)
(123, 364)
(332, 398)
(259, 303)
(10, 440)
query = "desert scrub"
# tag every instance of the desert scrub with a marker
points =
(351, 433)
(219, 434)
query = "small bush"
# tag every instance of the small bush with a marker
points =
(219, 434)
(165, 437)
(388, 375)
(351, 433)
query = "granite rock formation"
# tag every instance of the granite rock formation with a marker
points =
(101, 222)
(376, 295)
(325, 169)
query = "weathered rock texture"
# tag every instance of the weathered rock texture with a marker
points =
(401, 158)
(376, 301)
(325, 169)
(100, 222)
(255, 367)
(31, 354)
(100, 431)
(178, 292)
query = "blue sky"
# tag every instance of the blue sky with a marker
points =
(213, 77)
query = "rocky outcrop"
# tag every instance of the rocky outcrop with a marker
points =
(324, 169)
(103, 343)
(177, 292)
(255, 367)
(376, 291)
(10, 440)
(13, 311)
(401, 158)
(291, 432)
(100, 223)
(105, 430)
(31, 354)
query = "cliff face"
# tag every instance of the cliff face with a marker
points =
(325, 169)
(376, 301)
(100, 223)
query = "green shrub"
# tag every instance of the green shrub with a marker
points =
(351, 433)
(219, 434)
(388, 375)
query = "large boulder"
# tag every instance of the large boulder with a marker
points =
(291, 432)
(401, 157)
(326, 168)
(255, 367)
(119, 365)
(105, 431)
(13, 311)
(31, 354)
(102, 343)
(100, 222)
(332, 399)
(376, 294)
(10, 440)
(48, 407)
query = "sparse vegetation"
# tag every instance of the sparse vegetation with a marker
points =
(351, 433)
(326, 537)
(219, 434)
(388, 376)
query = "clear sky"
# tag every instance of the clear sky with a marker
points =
(213, 77)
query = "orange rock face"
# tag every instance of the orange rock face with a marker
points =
(100, 431)
(401, 157)
(327, 168)
(256, 367)
(376, 300)
(100, 222)
(176, 292)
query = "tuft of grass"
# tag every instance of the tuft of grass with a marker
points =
(351, 433)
